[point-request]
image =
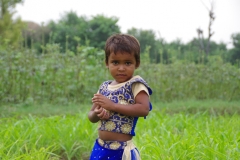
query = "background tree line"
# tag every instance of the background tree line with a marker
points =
(73, 31)
(55, 62)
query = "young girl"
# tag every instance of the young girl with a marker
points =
(118, 103)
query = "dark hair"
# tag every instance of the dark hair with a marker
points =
(122, 43)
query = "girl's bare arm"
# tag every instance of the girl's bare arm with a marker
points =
(92, 115)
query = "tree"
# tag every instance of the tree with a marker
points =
(69, 31)
(206, 46)
(36, 36)
(235, 51)
(8, 6)
(177, 49)
(10, 30)
(100, 28)
(146, 39)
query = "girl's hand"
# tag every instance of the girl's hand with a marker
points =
(102, 113)
(103, 101)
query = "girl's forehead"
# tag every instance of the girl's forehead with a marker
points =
(121, 52)
(121, 55)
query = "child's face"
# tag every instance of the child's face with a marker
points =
(121, 66)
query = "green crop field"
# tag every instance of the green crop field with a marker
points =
(49, 73)
(170, 131)
(44, 101)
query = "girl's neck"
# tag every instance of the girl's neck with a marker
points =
(114, 82)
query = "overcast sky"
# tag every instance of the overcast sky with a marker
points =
(170, 19)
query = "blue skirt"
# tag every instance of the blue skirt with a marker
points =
(111, 150)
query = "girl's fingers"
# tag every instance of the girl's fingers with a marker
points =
(98, 109)
(105, 115)
(100, 115)
(95, 100)
(101, 112)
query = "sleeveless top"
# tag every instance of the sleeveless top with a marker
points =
(118, 122)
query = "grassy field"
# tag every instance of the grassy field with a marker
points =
(196, 107)
(177, 130)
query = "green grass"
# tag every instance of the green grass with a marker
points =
(184, 136)
(186, 106)
(55, 137)
(213, 107)
(178, 130)
(43, 110)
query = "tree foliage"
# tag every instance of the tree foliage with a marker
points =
(69, 31)
(72, 31)
(35, 36)
(148, 40)
(100, 28)
(235, 51)
(10, 30)
(8, 6)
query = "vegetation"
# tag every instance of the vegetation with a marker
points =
(10, 30)
(73, 31)
(69, 78)
(70, 32)
(235, 52)
(49, 72)
(64, 132)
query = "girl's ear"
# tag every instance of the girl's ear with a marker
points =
(106, 64)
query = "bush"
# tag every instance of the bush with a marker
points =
(73, 78)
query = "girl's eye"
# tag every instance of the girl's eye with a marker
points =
(128, 63)
(114, 62)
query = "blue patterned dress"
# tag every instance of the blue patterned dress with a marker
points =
(113, 150)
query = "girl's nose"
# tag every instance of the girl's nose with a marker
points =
(121, 68)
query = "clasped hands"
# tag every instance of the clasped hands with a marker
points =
(103, 106)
